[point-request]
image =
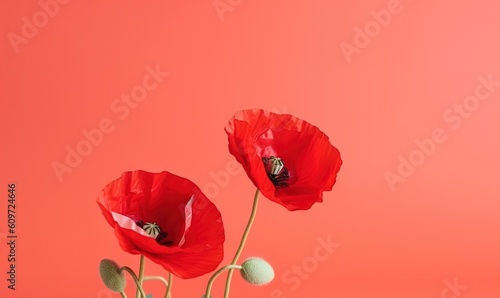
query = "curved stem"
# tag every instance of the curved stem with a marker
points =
(136, 280)
(242, 243)
(163, 280)
(216, 274)
(141, 275)
(169, 287)
(160, 278)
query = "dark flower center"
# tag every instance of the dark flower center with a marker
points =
(276, 171)
(155, 230)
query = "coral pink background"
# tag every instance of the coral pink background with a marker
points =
(388, 100)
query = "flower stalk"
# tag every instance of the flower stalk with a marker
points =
(164, 281)
(136, 280)
(169, 287)
(216, 274)
(141, 278)
(242, 243)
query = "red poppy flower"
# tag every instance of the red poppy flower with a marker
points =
(167, 219)
(289, 160)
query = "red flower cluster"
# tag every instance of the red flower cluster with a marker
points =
(167, 219)
(289, 160)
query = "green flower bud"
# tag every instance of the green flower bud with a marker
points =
(111, 275)
(257, 271)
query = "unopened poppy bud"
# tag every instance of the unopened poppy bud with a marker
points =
(111, 275)
(257, 271)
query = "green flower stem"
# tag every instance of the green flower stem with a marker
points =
(123, 294)
(141, 276)
(216, 274)
(136, 280)
(163, 280)
(242, 243)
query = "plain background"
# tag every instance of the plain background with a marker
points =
(436, 226)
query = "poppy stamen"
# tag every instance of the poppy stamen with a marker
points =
(162, 239)
(155, 230)
(152, 229)
(276, 171)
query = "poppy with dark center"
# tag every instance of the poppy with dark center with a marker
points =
(167, 219)
(289, 160)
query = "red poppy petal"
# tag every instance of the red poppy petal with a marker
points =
(190, 265)
(188, 262)
(312, 161)
(178, 206)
